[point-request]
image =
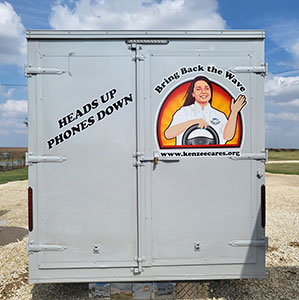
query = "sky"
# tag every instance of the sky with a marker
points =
(278, 18)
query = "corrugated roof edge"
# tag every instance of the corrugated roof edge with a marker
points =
(127, 34)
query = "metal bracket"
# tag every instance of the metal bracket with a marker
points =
(30, 159)
(249, 243)
(137, 154)
(262, 70)
(138, 164)
(260, 174)
(38, 248)
(30, 71)
(139, 269)
(138, 57)
(132, 46)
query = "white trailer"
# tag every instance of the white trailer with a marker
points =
(146, 155)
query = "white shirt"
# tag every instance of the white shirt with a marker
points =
(212, 116)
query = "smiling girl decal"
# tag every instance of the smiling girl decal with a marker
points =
(200, 113)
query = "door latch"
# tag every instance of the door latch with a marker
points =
(140, 159)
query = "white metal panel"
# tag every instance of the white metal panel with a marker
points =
(205, 200)
(89, 200)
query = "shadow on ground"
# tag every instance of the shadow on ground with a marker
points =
(3, 212)
(281, 283)
(11, 234)
(60, 291)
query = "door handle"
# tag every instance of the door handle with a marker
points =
(156, 158)
(169, 159)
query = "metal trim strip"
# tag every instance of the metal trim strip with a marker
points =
(151, 34)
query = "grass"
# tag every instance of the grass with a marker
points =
(285, 168)
(14, 175)
(281, 154)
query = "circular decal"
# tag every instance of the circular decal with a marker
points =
(178, 111)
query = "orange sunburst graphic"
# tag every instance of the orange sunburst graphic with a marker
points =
(175, 100)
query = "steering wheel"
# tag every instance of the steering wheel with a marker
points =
(200, 140)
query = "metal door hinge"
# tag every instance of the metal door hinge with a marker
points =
(38, 248)
(262, 156)
(29, 71)
(261, 70)
(250, 243)
(30, 159)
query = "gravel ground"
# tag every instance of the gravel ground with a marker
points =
(282, 256)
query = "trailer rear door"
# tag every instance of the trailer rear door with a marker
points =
(202, 200)
(84, 113)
